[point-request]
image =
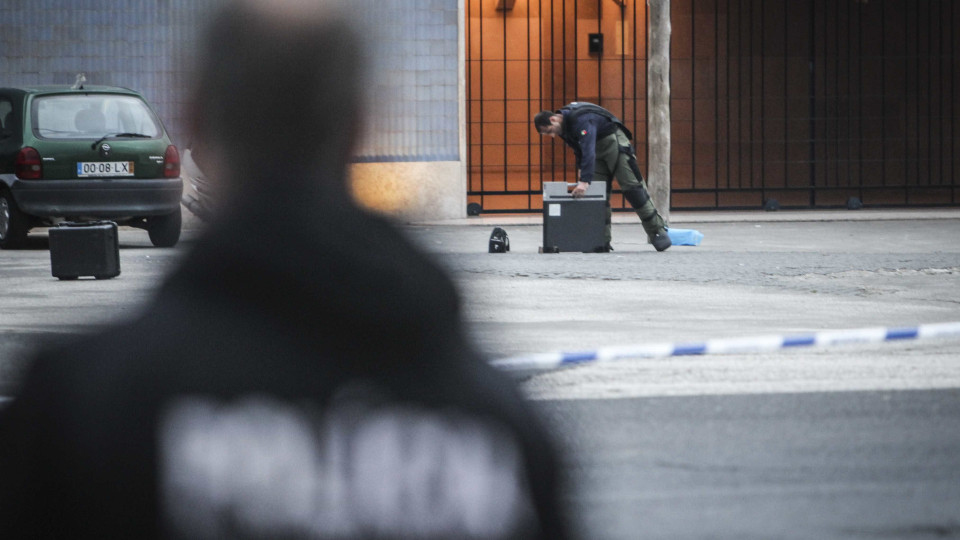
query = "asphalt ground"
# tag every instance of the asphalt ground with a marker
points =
(860, 441)
(748, 277)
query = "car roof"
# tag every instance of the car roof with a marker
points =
(68, 89)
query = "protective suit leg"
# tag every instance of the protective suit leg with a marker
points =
(616, 159)
(636, 194)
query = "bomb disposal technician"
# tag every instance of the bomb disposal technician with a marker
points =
(603, 150)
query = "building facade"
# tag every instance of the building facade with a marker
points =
(410, 161)
(809, 103)
(806, 102)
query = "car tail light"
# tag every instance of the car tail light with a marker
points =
(28, 165)
(171, 162)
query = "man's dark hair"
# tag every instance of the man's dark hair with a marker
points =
(542, 119)
(269, 85)
(278, 93)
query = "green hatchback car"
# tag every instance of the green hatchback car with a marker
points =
(85, 153)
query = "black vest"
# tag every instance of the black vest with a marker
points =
(575, 109)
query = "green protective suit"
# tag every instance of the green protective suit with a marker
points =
(613, 155)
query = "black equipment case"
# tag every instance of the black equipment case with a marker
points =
(84, 249)
(571, 224)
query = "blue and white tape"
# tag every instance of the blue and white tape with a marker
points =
(753, 344)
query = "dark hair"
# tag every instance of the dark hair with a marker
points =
(289, 85)
(542, 119)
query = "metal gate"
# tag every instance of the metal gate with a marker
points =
(808, 102)
(530, 55)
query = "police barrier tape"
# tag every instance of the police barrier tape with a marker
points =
(752, 344)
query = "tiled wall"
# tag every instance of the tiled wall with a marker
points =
(131, 44)
(416, 101)
(146, 45)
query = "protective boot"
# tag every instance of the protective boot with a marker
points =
(651, 220)
(661, 240)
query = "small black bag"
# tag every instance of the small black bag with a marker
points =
(499, 241)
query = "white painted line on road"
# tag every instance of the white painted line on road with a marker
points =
(764, 343)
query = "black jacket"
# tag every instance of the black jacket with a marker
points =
(328, 319)
(583, 125)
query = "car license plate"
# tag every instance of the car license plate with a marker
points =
(104, 168)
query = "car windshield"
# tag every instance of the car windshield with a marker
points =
(86, 116)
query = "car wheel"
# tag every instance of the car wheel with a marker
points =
(13, 224)
(164, 231)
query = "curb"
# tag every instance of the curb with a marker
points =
(721, 216)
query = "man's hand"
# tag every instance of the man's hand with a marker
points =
(580, 190)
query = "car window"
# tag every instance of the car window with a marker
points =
(86, 116)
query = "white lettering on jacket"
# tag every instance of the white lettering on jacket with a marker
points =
(261, 467)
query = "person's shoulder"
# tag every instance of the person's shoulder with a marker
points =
(378, 236)
(55, 374)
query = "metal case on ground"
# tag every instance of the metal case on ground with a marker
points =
(571, 224)
(84, 249)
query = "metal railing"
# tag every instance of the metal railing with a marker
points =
(806, 102)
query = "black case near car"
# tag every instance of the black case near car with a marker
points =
(85, 249)
(571, 224)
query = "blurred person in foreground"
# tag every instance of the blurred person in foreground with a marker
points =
(304, 372)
